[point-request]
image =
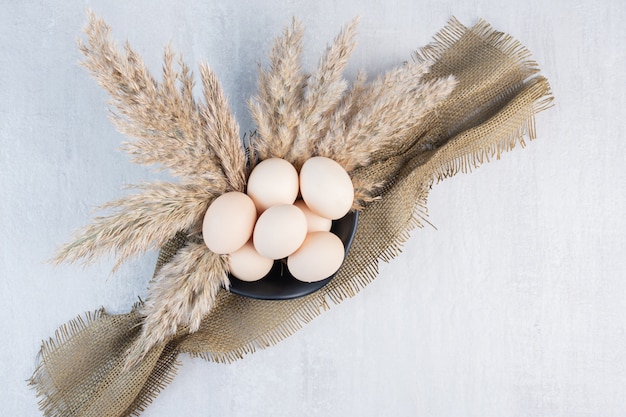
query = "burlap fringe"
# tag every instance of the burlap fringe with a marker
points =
(46, 390)
(454, 30)
(49, 400)
(520, 126)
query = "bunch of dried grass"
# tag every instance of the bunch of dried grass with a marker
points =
(297, 115)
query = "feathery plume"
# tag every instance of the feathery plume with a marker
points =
(140, 222)
(341, 118)
(324, 91)
(181, 293)
(392, 106)
(162, 116)
(276, 108)
(221, 126)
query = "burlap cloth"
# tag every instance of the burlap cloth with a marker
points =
(491, 109)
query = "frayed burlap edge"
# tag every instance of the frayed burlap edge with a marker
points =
(63, 373)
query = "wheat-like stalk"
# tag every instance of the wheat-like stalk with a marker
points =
(181, 294)
(390, 108)
(277, 107)
(351, 101)
(324, 92)
(140, 222)
(220, 125)
(163, 117)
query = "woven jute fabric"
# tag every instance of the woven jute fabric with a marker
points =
(81, 370)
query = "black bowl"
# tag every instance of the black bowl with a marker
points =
(279, 284)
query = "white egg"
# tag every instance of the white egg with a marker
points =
(228, 222)
(247, 265)
(279, 231)
(272, 182)
(315, 223)
(326, 187)
(319, 257)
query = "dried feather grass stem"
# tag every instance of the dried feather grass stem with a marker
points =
(181, 294)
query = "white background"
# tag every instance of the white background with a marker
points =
(514, 306)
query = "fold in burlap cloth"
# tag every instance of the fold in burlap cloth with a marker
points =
(491, 110)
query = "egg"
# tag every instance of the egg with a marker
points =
(247, 265)
(326, 187)
(272, 182)
(279, 231)
(315, 223)
(320, 256)
(229, 222)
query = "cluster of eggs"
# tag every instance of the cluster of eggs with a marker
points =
(270, 222)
